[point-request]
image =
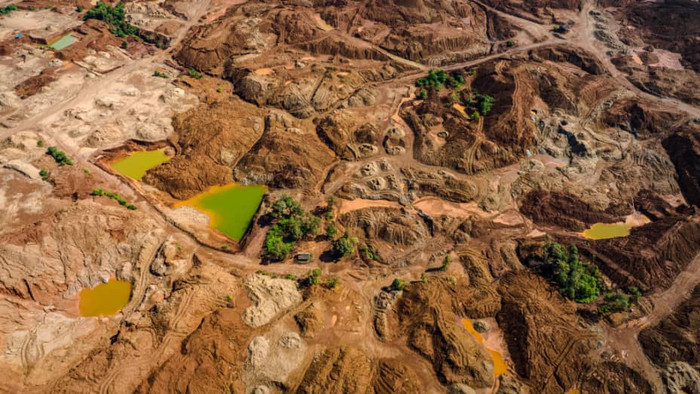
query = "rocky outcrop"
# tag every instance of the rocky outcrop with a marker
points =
(270, 297)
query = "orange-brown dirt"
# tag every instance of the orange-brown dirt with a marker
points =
(594, 119)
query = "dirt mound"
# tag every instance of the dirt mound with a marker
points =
(349, 370)
(675, 338)
(285, 156)
(613, 377)
(270, 296)
(209, 141)
(424, 314)
(683, 148)
(652, 255)
(567, 211)
(475, 142)
(671, 25)
(548, 347)
(542, 11)
(214, 350)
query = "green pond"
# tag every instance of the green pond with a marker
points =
(105, 299)
(230, 208)
(62, 42)
(136, 164)
(607, 230)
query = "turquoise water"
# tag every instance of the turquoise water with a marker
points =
(62, 42)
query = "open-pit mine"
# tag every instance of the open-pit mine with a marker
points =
(350, 196)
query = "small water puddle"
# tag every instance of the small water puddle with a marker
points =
(62, 42)
(499, 364)
(105, 299)
(136, 164)
(230, 208)
(615, 230)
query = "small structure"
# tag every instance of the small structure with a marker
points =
(303, 257)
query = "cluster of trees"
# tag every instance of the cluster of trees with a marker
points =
(293, 224)
(114, 17)
(481, 104)
(114, 196)
(59, 156)
(7, 9)
(438, 78)
(577, 280)
(581, 281)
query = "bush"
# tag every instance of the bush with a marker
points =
(510, 43)
(7, 9)
(423, 94)
(344, 246)
(44, 175)
(59, 156)
(615, 302)
(114, 196)
(159, 74)
(445, 264)
(79, 8)
(125, 45)
(40, 143)
(114, 17)
(576, 279)
(331, 283)
(331, 230)
(398, 284)
(193, 73)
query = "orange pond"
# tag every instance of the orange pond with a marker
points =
(499, 364)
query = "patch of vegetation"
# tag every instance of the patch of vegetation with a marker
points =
(369, 253)
(615, 302)
(577, 280)
(79, 8)
(510, 43)
(7, 9)
(125, 45)
(114, 17)
(44, 175)
(193, 73)
(86, 171)
(438, 78)
(219, 89)
(423, 94)
(344, 246)
(398, 284)
(159, 74)
(331, 283)
(312, 278)
(445, 264)
(293, 224)
(331, 230)
(114, 196)
(40, 143)
(59, 156)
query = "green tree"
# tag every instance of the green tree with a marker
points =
(344, 246)
(331, 230)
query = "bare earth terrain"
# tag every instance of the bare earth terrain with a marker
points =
(441, 151)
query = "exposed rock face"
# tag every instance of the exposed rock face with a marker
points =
(270, 296)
